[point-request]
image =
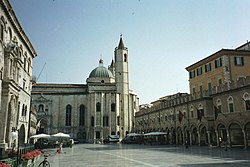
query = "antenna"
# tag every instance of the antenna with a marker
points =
(41, 71)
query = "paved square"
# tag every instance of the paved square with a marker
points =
(118, 155)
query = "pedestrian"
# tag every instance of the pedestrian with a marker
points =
(36, 145)
(186, 144)
(225, 145)
(220, 141)
(59, 149)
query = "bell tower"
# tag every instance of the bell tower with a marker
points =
(122, 86)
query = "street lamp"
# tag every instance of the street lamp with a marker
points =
(14, 134)
(15, 137)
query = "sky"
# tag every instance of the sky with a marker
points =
(163, 37)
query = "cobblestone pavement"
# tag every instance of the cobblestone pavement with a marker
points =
(118, 155)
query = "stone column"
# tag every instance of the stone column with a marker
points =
(209, 138)
(199, 138)
(217, 139)
(170, 138)
(176, 137)
(245, 138)
(187, 137)
(182, 138)
(228, 138)
(190, 138)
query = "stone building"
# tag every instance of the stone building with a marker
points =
(16, 56)
(33, 127)
(218, 106)
(88, 112)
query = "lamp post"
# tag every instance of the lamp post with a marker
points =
(15, 136)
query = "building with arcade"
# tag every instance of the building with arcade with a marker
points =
(217, 108)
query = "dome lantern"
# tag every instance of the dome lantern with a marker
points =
(100, 74)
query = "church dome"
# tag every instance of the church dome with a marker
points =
(100, 72)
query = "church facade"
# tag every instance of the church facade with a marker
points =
(92, 111)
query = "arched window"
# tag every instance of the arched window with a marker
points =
(68, 115)
(18, 109)
(1, 74)
(247, 104)
(191, 111)
(11, 68)
(200, 112)
(46, 110)
(218, 106)
(92, 121)
(113, 107)
(98, 107)
(1, 32)
(166, 117)
(10, 33)
(125, 58)
(82, 115)
(246, 99)
(230, 103)
(23, 110)
(29, 64)
(105, 121)
(25, 62)
(118, 120)
(41, 108)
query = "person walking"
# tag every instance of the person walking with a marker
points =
(186, 144)
(220, 141)
(59, 149)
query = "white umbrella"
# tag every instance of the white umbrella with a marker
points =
(155, 133)
(40, 136)
(134, 134)
(61, 135)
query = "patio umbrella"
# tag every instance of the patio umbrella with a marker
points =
(155, 133)
(61, 135)
(44, 136)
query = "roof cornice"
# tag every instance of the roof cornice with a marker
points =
(17, 26)
(217, 55)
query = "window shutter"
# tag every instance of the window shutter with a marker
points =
(242, 61)
(235, 60)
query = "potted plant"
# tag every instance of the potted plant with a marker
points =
(4, 165)
(36, 154)
(27, 159)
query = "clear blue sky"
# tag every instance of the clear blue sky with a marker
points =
(163, 37)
